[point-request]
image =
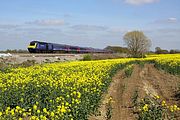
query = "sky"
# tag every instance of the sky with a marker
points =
(88, 23)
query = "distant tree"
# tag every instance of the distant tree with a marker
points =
(117, 49)
(158, 50)
(137, 43)
(173, 51)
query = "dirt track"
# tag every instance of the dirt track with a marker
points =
(147, 81)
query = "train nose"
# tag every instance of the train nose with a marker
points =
(31, 50)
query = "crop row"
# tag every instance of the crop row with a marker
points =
(169, 63)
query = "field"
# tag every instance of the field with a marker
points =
(116, 89)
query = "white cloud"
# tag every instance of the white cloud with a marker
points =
(50, 22)
(140, 2)
(118, 30)
(172, 20)
(89, 28)
(8, 26)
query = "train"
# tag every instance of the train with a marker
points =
(45, 47)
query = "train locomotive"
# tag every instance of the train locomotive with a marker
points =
(44, 47)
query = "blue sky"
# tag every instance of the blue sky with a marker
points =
(93, 23)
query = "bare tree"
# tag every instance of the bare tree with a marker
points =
(137, 43)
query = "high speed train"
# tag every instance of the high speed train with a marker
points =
(44, 47)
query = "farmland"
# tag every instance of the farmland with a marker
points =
(116, 89)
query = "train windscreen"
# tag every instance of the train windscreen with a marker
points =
(32, 43)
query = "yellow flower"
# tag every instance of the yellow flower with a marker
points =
(0, 114)
(145, 107)
(163, 103)
(7, 112)
(63, 110)
(24, 114)
(52, 114)
(35, 107)
(41, 116)
(44, 118)
(38, 111)
(20, 111)
(20, 119)
(21, 100)
(157, 97)
(175, 107)
(67, 103)
(18, 108)
(12, 112)
(23, 110)
(172, 108)
(8, 108)
(44, 110)
(33, 117)
(79, 95)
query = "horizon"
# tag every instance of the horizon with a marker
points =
(90, 23)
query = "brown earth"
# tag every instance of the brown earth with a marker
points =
(40, 58)
(147, 81)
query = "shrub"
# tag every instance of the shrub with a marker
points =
(87, 57)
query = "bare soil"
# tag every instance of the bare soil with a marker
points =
(41, 58)
(147, 81)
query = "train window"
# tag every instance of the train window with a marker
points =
(73, 48)
(32, 43)
(42, 44)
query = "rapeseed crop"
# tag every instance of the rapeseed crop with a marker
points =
(68, 91)
(65, 91)
(168, 62)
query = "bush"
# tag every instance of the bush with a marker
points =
(87, 57)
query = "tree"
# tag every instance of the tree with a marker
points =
(174, 51)
(137, 43)
(117, 49)
(158, 50)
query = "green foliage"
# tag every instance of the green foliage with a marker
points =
(87, 57)
(117, 49)
(109, 108)
(141, 63)
(128, 70)
(172, 51)
(158, 50)
(171, 66)
(154, 109)
(134, 98)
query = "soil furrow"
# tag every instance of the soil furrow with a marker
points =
(145, 81)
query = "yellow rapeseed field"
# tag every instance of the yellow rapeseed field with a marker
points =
(64, 91)
(55, 91)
